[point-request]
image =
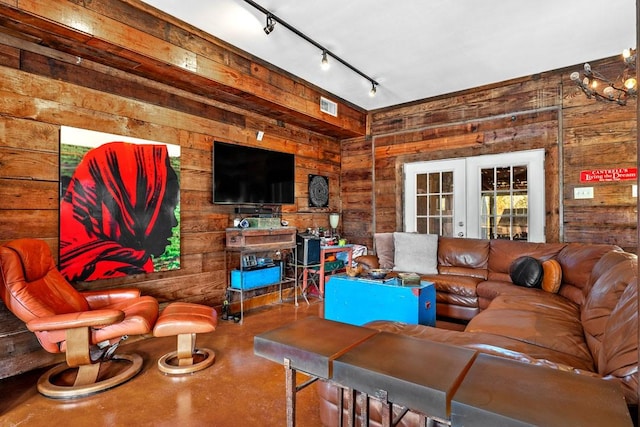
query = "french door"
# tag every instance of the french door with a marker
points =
(491, 197)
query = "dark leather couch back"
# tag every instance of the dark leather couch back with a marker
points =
(612, 274)
(577, 261)
(504, 252)
(466, 257)
(618, 356)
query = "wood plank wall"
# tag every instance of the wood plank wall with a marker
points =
(120, 91)
(542, 111)
(42, 90)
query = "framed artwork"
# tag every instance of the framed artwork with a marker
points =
(318, 191)
(119, 205)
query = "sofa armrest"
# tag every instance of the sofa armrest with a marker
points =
(369, 261)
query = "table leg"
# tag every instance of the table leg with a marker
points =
(386, 408)
(351, 407)
(290, 387)
(305, 284)
(363, 402)
(340, 405)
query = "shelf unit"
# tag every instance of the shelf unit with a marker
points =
(249, 241)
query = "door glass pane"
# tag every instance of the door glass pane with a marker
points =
(422, 204)
(434, 203)
(504, 203)
(421, 183)
(447, 182)
(434, 183)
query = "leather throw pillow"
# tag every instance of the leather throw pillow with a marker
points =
(552, 276)
(526, 271)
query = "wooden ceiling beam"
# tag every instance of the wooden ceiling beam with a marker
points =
(131, 36)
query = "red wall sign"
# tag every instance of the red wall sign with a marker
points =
(609, 175)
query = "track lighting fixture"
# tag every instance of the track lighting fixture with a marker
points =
(271, 23)
(372, 92)
(325, 61)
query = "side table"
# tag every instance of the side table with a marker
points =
(328, 250)
(358, 300)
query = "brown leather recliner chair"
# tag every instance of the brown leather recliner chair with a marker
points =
(86, 326)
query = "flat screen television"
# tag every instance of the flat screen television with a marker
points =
(248, 175)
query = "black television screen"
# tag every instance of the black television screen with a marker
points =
(252, 175)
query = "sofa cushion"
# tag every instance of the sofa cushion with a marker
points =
(618, 356)
(526, 271)
(457, 300)
(604, 264)
(503, 252)
(491, 289)
(577, 261)
(384, 249)
(416, 252)
(488, 343)
(463, 257)
(539, 318)
(602, 300)
(453, 284)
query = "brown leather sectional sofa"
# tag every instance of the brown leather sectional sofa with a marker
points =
(590, 326)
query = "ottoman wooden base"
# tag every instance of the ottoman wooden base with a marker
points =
(185, 320)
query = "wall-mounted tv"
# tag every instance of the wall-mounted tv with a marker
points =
(248, 175)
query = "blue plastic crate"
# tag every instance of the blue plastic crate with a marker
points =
(250, 279)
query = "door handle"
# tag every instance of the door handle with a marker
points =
(460, 234)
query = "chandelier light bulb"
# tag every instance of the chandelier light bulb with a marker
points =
(609, 92)
(626, 53)
(575, 76)
(631, 83)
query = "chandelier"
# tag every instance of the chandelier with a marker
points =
(597, 86)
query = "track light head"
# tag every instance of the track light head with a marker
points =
(372, 92)
(271, 23)
(325, 61)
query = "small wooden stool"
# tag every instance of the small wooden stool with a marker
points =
(185, 320)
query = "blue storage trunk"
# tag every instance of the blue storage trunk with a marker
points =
(357, 301)
(250, 279)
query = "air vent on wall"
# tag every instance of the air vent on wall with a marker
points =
(328, 107)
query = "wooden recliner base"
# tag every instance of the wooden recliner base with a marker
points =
(58, 384)
(187, 359)
(184, 320)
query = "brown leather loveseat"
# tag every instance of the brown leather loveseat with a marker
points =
(589, 326)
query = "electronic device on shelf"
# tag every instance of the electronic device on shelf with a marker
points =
(249, 261)
(308, 249)
(249, 175)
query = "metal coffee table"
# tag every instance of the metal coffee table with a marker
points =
(418, 374)
(310, 346)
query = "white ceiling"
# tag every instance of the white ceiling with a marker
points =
(418, 49)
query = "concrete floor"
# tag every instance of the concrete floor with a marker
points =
(240, 389)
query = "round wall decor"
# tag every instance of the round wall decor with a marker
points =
(318, 191)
